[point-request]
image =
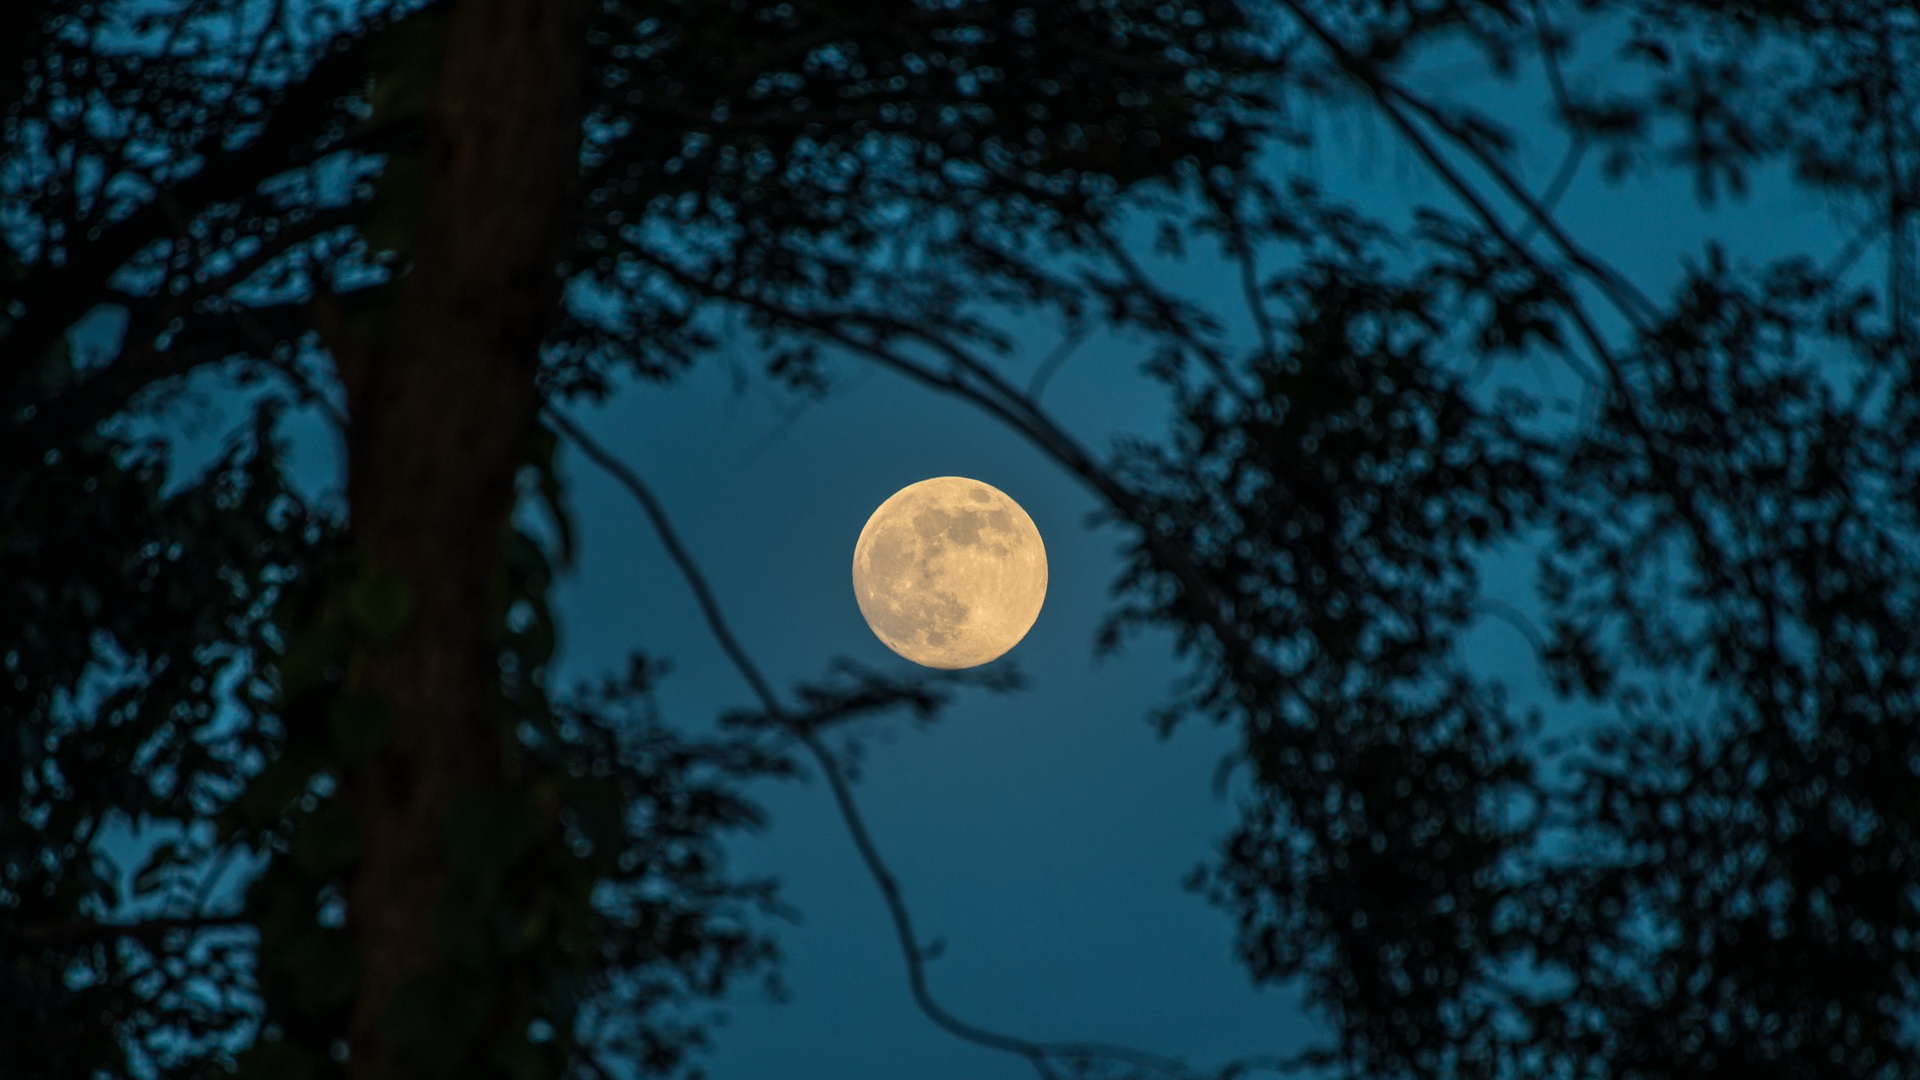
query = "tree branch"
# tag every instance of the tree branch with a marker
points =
(1576, 151)
(1025, 416)
(83, 931)
(1041, 1056)
(1631, 304)
(290, 138)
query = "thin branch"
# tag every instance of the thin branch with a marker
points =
(1576, 151)
(1043, 374)
(1000, 400)
(1394, 102)
(82, 931)
(1850, 252)
(220, 288)
(877, 868)
(1240, 247)
(1518, 620)
(1168, 312)
(1040, 1055)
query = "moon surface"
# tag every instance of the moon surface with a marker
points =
(950, 572)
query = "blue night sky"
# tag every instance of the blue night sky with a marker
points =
(1041, 836)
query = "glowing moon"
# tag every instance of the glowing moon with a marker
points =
(950, 572)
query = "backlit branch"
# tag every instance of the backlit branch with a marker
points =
(1045, 1057)
(1395, 102)
(84, 931)
(973, 380)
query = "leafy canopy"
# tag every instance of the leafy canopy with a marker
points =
(1699, 862)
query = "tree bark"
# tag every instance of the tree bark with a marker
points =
(439, 418)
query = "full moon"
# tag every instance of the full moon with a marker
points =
(950, 572)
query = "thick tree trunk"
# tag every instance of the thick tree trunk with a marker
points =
(440, 416)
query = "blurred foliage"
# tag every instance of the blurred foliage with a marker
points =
(1700, 860)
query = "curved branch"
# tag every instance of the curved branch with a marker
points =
(910, 947)
(1576, 151)
(1040, 1055)
(1168, 310)
(995, 396)
(1050, 365)
(1518, 621)
(1395, 102)
(83, 931)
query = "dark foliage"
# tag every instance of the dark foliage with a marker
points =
(1701, 860)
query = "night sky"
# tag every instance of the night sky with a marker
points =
(1041, 836)
(1045, 839)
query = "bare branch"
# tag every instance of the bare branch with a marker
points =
(1394, 102)
(1576, 152)
(80, 932)
(1042, 1056)
(1043, 374)
(974, 381)
(1395, 99)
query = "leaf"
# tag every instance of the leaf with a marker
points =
(405, 60)
(519, 1059)
(527, 562)
(395, 208)
(535, 641)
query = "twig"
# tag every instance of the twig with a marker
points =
(1040, 1055)
(1394, 102)
(994, 396)
(1577, 148)
(1518, 620)
(84, 930)
(1043, 374)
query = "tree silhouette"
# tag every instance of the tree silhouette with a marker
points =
(377, 841)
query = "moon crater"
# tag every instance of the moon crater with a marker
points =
(950, 572)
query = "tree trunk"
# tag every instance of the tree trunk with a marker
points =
(440, 413)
